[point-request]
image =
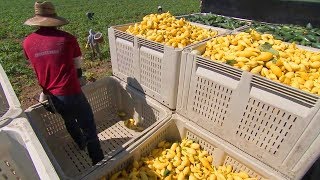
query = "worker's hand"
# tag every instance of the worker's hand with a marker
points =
(82, 80)
(42, 97)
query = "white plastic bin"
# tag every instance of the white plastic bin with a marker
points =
(277, 124)
(155, 66)
(107, 97)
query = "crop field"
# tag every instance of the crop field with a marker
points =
(107, 13)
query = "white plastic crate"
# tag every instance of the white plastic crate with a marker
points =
(9, 104)
(21, 154)
(177, 129)
(275, 123)
(154, 66)
(107, 97)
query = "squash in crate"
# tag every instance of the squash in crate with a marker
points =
(185, 160)
(165, 28)
(263, 54)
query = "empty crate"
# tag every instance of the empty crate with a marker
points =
(107, 97)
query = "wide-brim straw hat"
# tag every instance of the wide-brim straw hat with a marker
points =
(45, 15)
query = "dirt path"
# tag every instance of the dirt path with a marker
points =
(93, 70)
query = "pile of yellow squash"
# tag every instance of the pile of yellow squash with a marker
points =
(166, 29)
(262, 54)
(185, 160)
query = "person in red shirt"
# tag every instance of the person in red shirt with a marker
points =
(55, 56)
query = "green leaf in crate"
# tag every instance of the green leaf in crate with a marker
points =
(273, 51)
(166, 173)
(231, 62)
(265, 47)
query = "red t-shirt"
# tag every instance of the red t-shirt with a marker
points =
(51, 53)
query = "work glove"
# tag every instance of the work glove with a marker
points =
(47, 105)
(42, 97)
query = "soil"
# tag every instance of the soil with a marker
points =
(93, 70)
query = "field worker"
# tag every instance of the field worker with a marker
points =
(55, 56)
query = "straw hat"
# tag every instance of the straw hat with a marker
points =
(45, 15)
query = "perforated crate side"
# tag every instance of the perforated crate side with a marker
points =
(238, 167)
(9, 104)
(276, 127)
(123, 53)
(159, 72)
(207, 90)
(107, 97)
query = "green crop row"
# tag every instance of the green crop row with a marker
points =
(107, 13)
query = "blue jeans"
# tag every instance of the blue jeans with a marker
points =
(78, 117)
